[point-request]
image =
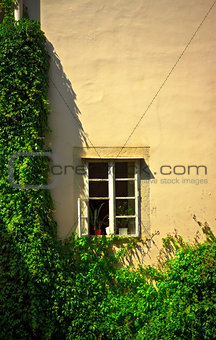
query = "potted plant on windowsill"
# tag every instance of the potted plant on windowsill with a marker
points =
(122, 223)
(107, 230)
(95, 219)
(123, 226)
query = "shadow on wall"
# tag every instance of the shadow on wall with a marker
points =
(59, 81)
(67, 132)
(141, 251)
(64, 90)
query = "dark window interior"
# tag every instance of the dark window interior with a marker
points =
(124, 189)
(98, 170)
(124, 169)
(103, 206)
(98, 189)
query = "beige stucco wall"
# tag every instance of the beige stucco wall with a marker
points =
(109, 59)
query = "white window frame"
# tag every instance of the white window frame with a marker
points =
(18, 12)
(111, 194)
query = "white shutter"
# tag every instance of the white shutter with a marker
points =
(83, 217)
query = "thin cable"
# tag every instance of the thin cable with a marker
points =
(167, 77)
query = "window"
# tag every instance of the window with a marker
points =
(112, 198)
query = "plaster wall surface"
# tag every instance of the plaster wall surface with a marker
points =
(118, 78)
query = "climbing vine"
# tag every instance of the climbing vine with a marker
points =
(8, 6)
(27, 233)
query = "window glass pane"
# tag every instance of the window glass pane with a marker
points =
(98, 189)
(124, 169)
(125, 226)
(98, 215)
(131, 226)
(124, 188)
(125, 207)
(98, 170)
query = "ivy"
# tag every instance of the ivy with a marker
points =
(8, 6)
(29, 251)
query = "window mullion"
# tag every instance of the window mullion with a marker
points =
(111, 197)
(86, 181)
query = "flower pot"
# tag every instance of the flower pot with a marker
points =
(97, 231)
(123, 231)
(107, 230)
